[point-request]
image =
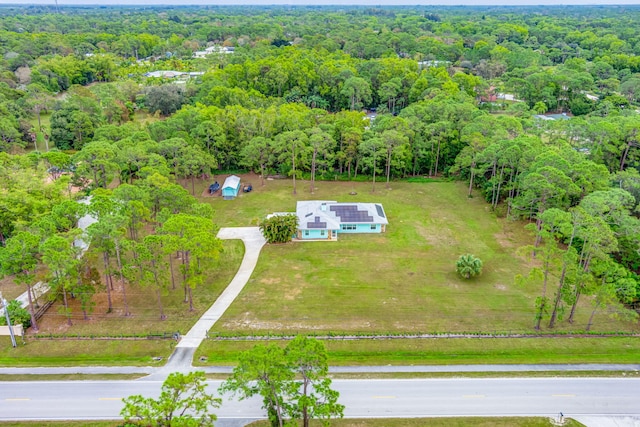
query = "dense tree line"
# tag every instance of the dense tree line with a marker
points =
(39, 227)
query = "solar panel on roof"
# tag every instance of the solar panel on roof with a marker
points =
(350, 213)
(380, 211)
(317, 225)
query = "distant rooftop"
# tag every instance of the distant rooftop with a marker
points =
(562, 116)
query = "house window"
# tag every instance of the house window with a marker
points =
(374, 227)
(322, 232)
(348, 227)
(306, 232)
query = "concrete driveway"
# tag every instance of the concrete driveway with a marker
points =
(253, 240)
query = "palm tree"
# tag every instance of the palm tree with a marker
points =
(469, 266)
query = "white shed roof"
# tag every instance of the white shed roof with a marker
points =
(232, 181)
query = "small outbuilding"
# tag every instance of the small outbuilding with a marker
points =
(231, 187)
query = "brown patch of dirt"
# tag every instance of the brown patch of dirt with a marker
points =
(55, 322)
(436, 237)
(500, 287)
(505, 240)
(292, 294)
(205, 193)
(10, 290)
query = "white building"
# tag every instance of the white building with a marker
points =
(211, 50)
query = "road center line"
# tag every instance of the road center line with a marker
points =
(384, 397)
(563, 395)
(109, 398)
(17, 399)
(473, 396)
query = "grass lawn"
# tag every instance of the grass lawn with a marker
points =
(403, 280)
(386, 422)
(451, 351)
(85, 353)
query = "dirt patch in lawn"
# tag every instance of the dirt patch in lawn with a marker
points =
(292, 294)
(506, 240)
(436, 236)
(9, 288)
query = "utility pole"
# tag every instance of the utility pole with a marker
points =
(6, 314)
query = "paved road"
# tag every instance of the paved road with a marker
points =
(574, 397)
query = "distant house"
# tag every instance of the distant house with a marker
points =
(213, 49)
(319, 219)
(231, 187)
(562, 116)
(164, 74)
(423, 65)
(170, 74)
(489, 95)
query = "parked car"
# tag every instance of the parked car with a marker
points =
(247, 188)
(214, 187)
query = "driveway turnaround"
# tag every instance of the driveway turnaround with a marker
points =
(253, 241)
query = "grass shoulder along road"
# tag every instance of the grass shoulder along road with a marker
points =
(385, 422)
(450, 351)
(85, 353)
(441, 422)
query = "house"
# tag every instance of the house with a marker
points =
(319, 219)
(423, 65)
(562, 116)
(164, 74)
(231, 187)
(212, 50)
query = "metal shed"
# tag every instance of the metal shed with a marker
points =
(231, 187)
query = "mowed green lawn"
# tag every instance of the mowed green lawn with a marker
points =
(385, 422)
(448, 351)
(401, 281)
(85, 352)
(441, 422)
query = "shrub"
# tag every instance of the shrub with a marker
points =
(468, 266)
(279, 228)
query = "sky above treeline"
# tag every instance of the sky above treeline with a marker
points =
(331, 2)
